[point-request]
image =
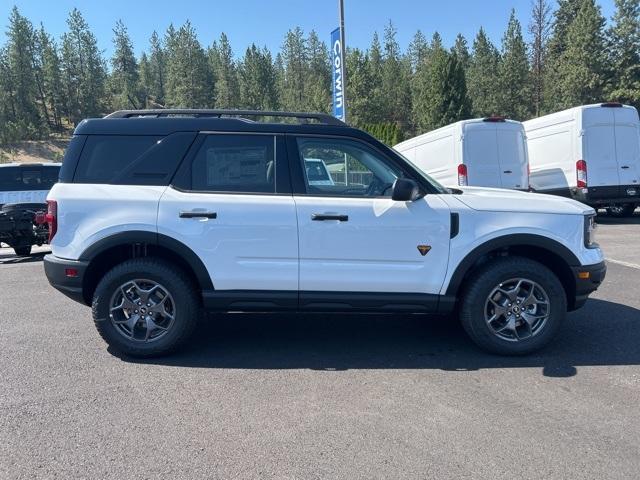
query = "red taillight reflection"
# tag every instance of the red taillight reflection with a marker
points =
(52, 218)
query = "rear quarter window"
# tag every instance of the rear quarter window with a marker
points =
(132, 159)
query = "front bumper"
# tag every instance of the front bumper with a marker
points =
(66, 276)
(588, 278)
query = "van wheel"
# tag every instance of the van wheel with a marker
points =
(621, 210)
(144, 307)
(513, 306)
(22, 251)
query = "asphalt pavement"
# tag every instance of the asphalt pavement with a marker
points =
(321, 396)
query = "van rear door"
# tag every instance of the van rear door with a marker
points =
(512, 156)
(598, 125)
(481, 154)
(627, 138)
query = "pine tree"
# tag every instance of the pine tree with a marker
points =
(624, 45)
(418, 50)
(482, 77)
(563, 18)
(157, 72)
(395, 82)
(540, 29)
(258, 80)
(377, 94)
(51, 77)
(225, 75)
(294, 58)
(188, 83)
(24, 89)
(581, 71)
(461, 49)
(318, 84)
(443, 99)
(125, 78)
(84, 73)
(146, 80)
(362, 109)
(514, 94)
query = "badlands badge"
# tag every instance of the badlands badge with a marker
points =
(424, 249)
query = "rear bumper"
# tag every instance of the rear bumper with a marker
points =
(588, 278)
(607, 195)
(58, 271)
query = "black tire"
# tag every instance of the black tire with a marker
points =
(622, 211)
(17, 207)
(482, 283)
(187, 306)
(23, 251)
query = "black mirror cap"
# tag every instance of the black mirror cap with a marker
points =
(405, 190)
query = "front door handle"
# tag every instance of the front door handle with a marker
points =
(320, 217)
(198, 215)
(624, 167)
(507, 171)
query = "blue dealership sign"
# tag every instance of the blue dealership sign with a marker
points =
(338, 80)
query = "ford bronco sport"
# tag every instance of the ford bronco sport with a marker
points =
(159, 214)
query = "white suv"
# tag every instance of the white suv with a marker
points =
(160, 214)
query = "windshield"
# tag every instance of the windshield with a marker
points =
(440, 188)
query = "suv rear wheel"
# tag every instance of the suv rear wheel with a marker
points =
(145, 307)
(513, 306)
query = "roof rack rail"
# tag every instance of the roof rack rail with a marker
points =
(323, 118)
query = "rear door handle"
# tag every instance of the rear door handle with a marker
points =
(320, 217)
(625, 166)
(507, 171)
(198, 215)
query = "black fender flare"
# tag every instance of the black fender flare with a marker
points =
(151, 238)
(511, 240)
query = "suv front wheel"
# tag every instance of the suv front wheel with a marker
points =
(513, 306)
(145, 307)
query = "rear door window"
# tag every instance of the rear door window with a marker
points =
(235, 163)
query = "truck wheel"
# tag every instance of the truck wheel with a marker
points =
(22, 251)
(513, 306)
(621, 210)
(145, 307)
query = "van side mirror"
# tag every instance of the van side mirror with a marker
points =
(405, 190)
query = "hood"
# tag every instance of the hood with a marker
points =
(503, 200)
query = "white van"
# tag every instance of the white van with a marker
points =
(589, 153)
(484, 152)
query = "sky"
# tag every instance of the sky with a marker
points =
(265, 22)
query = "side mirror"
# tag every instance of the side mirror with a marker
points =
(405, 190)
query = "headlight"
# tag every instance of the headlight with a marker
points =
(590, 228)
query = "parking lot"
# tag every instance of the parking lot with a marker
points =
(319, 396)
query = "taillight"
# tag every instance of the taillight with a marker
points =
(581, 173)
(52, 218)
(463, 180)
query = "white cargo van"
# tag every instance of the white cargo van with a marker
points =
(484, 152)
(589, 153)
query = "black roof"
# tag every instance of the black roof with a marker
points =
(165, 122)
